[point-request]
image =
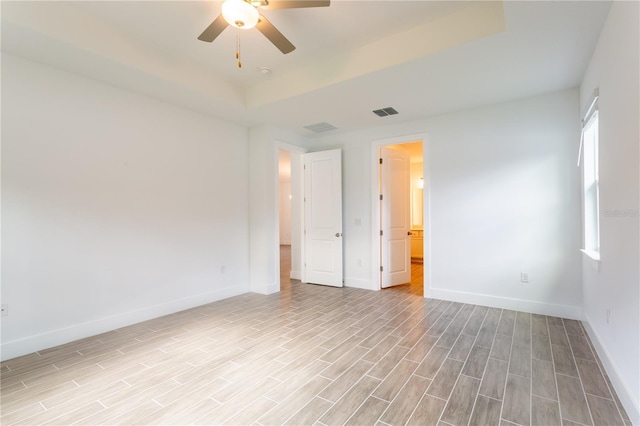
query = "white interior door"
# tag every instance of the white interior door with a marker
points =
(395, 216)
(323, 217)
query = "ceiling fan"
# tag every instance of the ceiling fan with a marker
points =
(244, 14)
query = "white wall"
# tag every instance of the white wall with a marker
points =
(264, 144)
(504, 199)
(616, 286)
(115, 207)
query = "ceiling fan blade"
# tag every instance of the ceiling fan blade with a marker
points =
(294, 4)
(274, 36)
(214, 29)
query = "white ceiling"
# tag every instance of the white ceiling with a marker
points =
(421, 57)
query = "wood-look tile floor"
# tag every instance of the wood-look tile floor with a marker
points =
(314, 355)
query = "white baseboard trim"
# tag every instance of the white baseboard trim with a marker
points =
(428, 293)
(38, 342)
(359, 283)
(272, 289)
(556, 310)
(265, 288)
(630, 404)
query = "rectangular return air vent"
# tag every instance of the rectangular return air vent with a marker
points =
(320, 127)
(385, 111)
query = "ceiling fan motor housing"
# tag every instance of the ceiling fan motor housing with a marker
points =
(240, 14)
(244, 14)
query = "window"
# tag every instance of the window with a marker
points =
(591, 190)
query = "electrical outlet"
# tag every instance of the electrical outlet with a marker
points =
(608, 315)
(524, 277)
(4, 310)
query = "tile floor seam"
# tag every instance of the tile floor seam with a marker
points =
(545, 398)
(553, 365)
(439, 368)
(530, 369)
(265, 396)
(463, 364)
(490, 397)
(325, 399)
(424, 394)
(579, 374)
(353, 385)
(504, 390)
(431, 380)
(396, 395)
(485, 366)
(362, 403)
(599, 396)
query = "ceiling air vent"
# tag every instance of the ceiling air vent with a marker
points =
(385, 111)
(320, 127)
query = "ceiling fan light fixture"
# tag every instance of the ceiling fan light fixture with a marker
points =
(240, 14)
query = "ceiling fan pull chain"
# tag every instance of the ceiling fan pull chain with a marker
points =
(238, 48)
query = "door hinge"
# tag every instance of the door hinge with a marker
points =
(381, 269)
(381, 161)
(381, 197)
(381, 233)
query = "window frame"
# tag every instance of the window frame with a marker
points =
(591, 183)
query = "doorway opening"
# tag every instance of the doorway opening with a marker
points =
(289, 204)
(401, 218)
(400, 228)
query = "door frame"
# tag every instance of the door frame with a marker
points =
(375, 207)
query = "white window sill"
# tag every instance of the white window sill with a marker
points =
(593, 258)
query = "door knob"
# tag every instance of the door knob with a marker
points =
(338, 234)
(409, 233)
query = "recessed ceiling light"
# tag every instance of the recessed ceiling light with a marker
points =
(264, 70)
